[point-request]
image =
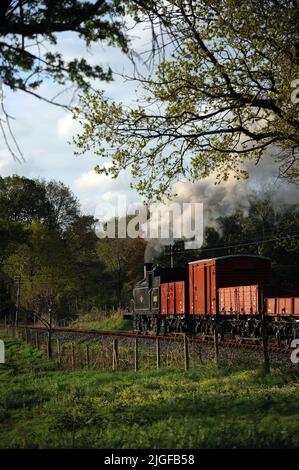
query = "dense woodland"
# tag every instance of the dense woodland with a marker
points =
(52, 258)
(51, 254)
(265, 229)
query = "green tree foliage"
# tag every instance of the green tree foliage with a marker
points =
(30, 32)
(64, 205)
(224, 92)
(46, 241)
(123, 259)
(11, 233)
(23, 200)
(265, 230)
(53, 249)
(90, 273)
(43, 265)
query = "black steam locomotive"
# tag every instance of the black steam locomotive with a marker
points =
(147, 298)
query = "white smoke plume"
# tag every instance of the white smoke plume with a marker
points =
(223, 199)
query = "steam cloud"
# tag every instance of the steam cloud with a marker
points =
(225, 198)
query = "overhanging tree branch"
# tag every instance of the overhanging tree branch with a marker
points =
(235, 63)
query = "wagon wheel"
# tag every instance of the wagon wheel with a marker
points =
(165, 326)
(158, 326)
(257, 329)
(198, 327)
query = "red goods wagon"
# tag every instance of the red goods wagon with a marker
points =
(270, 306)
(164, 299)
(173, 298)
(202, 287)
(282, 306)
(246, 300)
(285, 306)
(180, 301)
(207, 276)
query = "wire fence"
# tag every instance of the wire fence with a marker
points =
(104, 352)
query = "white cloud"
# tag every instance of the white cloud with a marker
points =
(67, 126)
(9, 166)
(6, 161)
(91, 181)
(88, 181)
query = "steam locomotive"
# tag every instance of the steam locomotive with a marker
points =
(233, 292)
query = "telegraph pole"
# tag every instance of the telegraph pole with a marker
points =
(169, 249)
(173, 248)
(171, 256)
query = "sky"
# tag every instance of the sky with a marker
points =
(43, 131)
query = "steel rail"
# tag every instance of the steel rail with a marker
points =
(233, 343)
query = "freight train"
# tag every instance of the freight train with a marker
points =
(233, 292)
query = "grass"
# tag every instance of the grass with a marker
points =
(114, 321)
(42, 407)
(117, 324)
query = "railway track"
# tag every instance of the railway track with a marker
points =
(241, 343)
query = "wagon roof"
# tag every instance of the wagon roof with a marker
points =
(230, 256)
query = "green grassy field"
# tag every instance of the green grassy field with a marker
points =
(42, 407)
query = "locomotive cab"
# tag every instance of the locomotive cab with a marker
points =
(146, 305)
(146, 293)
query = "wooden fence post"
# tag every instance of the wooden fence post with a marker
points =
(58, 351)
(87, 356)
(158, 353)
(265, 339)
(216, 345)
(49, 344)
(36, 340)
(42, 341)
(115, 355)
(186, 352)
(136, 355)
(73, 356)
